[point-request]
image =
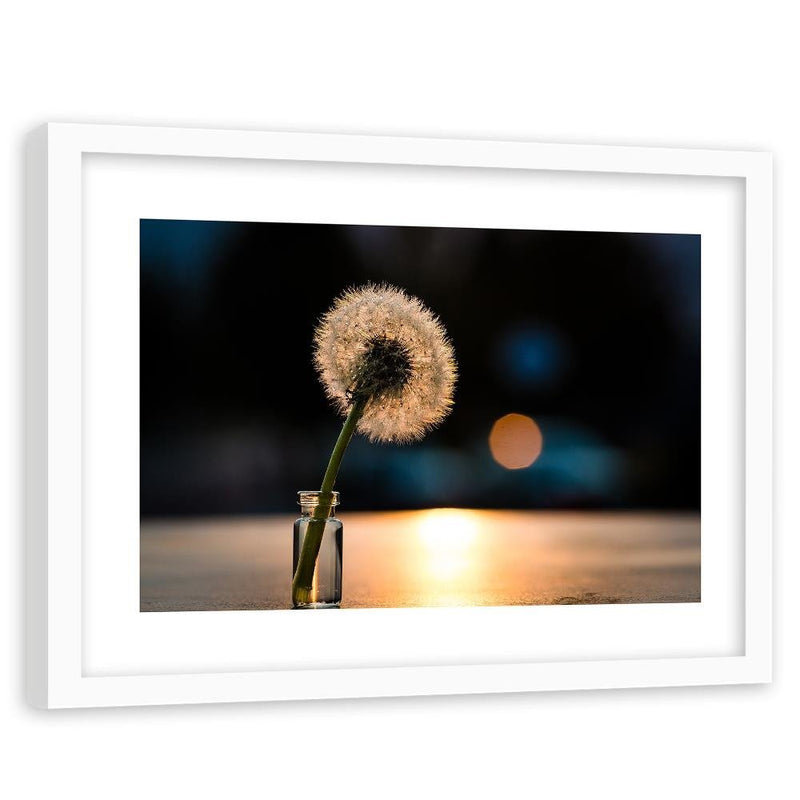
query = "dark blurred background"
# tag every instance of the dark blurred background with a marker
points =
(596, 336)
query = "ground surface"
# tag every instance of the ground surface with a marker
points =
(429, 558)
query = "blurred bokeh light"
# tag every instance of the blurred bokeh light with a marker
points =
(533, 356)
(515, 441)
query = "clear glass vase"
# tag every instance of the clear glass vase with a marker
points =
(317, 541)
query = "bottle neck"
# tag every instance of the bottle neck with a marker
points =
(308, 511)
(310, 501)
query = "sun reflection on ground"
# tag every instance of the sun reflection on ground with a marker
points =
(448, 536)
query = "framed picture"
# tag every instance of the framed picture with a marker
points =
(317, 416)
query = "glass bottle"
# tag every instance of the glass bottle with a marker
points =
(326, 584)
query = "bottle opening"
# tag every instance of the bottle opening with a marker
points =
(310, 500)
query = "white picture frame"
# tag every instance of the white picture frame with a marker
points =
(64, 597)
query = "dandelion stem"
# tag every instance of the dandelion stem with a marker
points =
(304, 576)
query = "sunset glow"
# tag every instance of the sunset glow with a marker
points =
(448, 536)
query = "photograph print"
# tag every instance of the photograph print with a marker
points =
(348, 416)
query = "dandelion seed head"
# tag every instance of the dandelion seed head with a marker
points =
(382, 345)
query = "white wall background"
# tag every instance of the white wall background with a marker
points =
(694, 73)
